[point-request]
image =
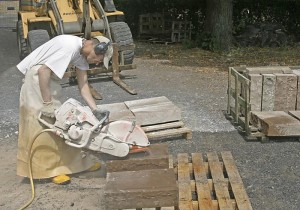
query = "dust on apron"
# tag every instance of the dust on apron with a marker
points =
(50, 155)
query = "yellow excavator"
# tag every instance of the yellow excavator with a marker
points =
(40, 20)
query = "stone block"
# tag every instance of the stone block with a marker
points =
(268, 92)
(276, 123)
(255, 91)
(141, 189)
(156, 157)
(285, 92)
(268, 70)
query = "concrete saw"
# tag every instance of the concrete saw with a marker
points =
(78, 127)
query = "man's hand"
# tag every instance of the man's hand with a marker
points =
(100, 114)
(48, 109)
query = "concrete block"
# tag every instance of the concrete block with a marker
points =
(268, 92)
(255, 91)
(156, 157)
(285, 92)
(141, 189)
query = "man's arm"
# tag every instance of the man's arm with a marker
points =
(84, 89)
(44, 73)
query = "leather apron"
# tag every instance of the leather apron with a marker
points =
(50, 156)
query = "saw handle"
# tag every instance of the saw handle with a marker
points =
(44, 122)
(104, 119)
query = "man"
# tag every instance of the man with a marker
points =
(43, 69)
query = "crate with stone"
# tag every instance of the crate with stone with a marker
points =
(264, 101)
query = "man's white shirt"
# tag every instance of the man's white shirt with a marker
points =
(58, 53)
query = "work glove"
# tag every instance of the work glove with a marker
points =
(100, 114)
(48, 109)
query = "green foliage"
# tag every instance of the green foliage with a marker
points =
(205, 41)
(189, 44)
(191, 10)
(253, 12)
(245, 12)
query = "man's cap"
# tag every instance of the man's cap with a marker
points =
(101, 48)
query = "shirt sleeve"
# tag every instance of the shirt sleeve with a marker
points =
(59, 63)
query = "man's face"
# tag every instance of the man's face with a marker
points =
(92, 58)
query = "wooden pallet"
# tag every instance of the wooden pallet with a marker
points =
(208, 183)
(211, 183)
(167, 130)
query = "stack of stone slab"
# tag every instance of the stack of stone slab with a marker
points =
(275, 99)
(142, 181)
(159, 117)
(274, 88)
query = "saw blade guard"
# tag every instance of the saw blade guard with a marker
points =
(127, 132)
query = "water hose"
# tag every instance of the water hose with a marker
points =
(30, 169)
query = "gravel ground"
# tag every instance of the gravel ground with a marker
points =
(270, 171)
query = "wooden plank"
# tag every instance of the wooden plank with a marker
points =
(237, 186)
(276, 123)
(185, 193)
(296, 71)
(100, 70)
(163, 126)
(202, 186)
(222, 193)
(154, 110)
(170, 133)
(205, 164)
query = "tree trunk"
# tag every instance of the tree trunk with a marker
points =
(218, 23)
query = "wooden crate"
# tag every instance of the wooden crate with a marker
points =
(181, 31)
(152, 24)
(210, 183)
(248, 92)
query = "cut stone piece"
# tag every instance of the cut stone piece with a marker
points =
(141, 189)
(154, 110)
(156, 157)
(268, 92)
(276, 123)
